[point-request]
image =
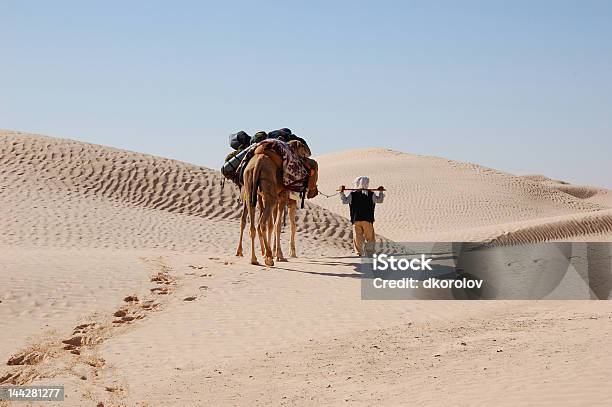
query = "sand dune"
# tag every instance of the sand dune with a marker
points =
(119, 282)
(589, 226)
(601, 196)
(432, 198)
(66, 193)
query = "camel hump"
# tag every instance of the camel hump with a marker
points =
(273, 155)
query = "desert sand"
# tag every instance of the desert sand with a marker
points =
(119, 281)
(436, 199)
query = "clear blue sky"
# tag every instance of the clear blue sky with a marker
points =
(522, 86)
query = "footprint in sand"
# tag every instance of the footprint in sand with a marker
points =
(120, 313)
(162, 278)
(87, 334)
(199, 275)
(20, 377)
(84, 328)
(126, 315)
(149, 305)
(160, 290)
(81, 340)
(28, 357)
(165, 280)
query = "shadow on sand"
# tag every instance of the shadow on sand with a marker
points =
(356, 266)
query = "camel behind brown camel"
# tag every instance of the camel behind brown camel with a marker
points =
(292, 204)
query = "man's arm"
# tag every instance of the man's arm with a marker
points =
(378, 197)
(346, 199)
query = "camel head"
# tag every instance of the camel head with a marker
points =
(313, 167)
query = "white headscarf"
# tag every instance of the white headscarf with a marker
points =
(362, 182)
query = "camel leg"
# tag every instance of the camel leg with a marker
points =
(269, 203)
(292, 214)
(262, 245)
(252, 232)
(270, 225)
(280, 209)
(274, 214)
(245, 212)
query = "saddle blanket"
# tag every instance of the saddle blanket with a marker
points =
(295, 173)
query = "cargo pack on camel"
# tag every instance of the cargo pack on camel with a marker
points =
(296, 168)
(240, 142)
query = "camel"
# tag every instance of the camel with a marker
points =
(263, 184)
(290, 201)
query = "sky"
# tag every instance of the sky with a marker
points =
(519, 86)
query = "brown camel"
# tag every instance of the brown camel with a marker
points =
(263, 184)
(260, 184)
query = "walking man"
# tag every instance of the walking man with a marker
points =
(362, 203)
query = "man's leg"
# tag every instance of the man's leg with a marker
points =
(358, 238)
(368, 231)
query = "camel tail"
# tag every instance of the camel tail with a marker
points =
(255, 183)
